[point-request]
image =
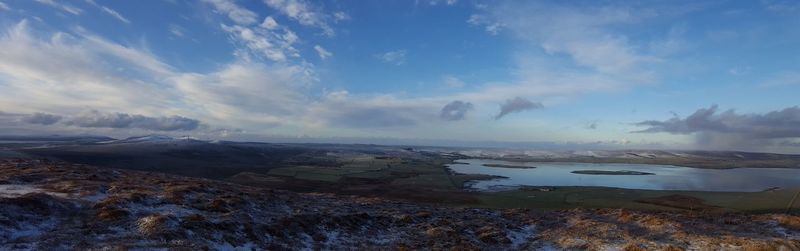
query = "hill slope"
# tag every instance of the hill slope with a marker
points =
(53, 205)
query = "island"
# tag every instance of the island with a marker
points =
(509, 166)
(604, 172)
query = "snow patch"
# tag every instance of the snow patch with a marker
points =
(14, 191)
(522, 236)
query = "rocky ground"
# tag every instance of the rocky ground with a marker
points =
(48, 205)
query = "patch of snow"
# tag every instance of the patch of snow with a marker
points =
(307, 242)
(521, 236)
(96, 197)
(331, 237)
(13, 191)
(787, 234)
(586, 153)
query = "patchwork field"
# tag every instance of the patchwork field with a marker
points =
(373, 175)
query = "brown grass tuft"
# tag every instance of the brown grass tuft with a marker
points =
(112, 214)
(789, 221)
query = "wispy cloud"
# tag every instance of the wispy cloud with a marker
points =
(63, 6)
(491, 26)
(238, 14)
(274, 45)
(785, 78)
(323, 54)
(453, 82)
(446, 2)
(304, 13)
(340, 16)
(343, 110)
(115, 14)
(177, 30)
(66, 73)
(397, 57)
(109, 11)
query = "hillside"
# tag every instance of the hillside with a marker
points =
(48, 205)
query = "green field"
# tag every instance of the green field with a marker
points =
(434, 180)
(601, 197)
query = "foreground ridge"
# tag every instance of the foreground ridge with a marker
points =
(48, 205)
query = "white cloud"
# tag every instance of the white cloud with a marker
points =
(340, 16)
(453, 82)
(304, 13)
(340, 109)
(238, 14)
(4, 6)
(581, 34)
(109, 11)
(270, 44)
(785, 78)
(491, 26)
(115, 14)
(268, 39)
(269, 23)
(397, 57)
(69, 73)
(177, 30)
(247, 94)
(60, 5)
(599, 57)
(447, 2)
(323, 54)
(788, 7)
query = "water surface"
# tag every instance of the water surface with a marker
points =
(666, 177)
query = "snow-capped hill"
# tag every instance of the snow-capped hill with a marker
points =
(141, 139)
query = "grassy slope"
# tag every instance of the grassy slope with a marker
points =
(601, 197)
(432, 176)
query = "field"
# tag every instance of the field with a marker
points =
(601, 197)
(417, 175)
(408, 179)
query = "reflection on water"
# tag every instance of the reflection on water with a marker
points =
(665, 178)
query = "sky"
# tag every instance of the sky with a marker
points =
(710, 75)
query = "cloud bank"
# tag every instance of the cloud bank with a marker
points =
(456, 110)
(123, 120)
(41, 118)
(517, 104)
(730, 129)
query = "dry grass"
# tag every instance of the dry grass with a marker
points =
(112, 214)
(672, 248)
(778, 245)
(158, 226)
(633, 247)
(789, 222)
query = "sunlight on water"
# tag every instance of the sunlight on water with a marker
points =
(666, 177)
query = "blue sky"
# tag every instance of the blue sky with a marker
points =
(616, 74)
